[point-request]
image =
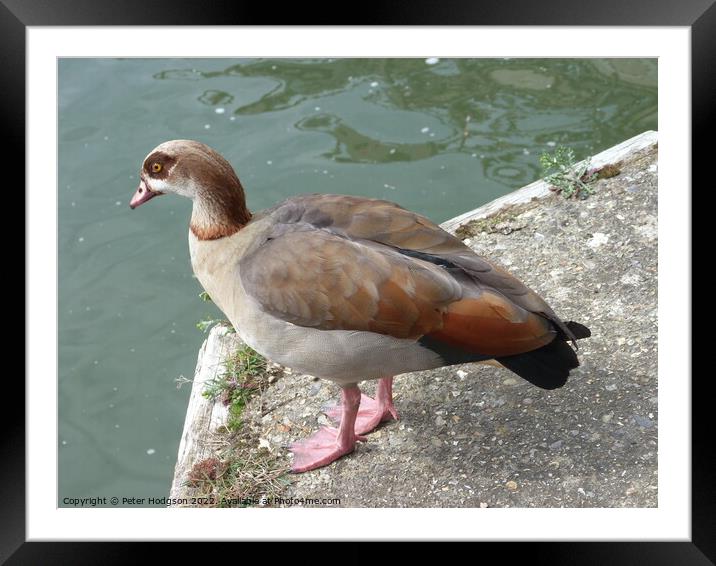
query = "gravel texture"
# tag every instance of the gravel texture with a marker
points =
(480, 436)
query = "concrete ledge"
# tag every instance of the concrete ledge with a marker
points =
(540, 189)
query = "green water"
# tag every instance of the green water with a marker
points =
(437, 137)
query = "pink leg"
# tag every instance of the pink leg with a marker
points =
(329, 444)
(372, 412)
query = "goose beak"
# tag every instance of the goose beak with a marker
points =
(142, 195)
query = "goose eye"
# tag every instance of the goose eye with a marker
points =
(156, 167)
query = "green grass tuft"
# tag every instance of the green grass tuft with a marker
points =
(560, 169)
(241, 474)
(244, 375)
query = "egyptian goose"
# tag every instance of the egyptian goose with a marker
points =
(350, 289)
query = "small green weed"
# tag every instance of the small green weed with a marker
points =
(240, 474)
(560, 170)
(244, 375)
(206, 323)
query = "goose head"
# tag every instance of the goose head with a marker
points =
(194, 170)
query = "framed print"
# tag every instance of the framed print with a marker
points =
(616, 466)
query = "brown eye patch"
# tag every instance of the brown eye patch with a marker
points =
(159, 164)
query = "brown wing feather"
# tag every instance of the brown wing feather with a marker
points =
(317, 279)
(388, 223)
(339, 263)
(491, 325)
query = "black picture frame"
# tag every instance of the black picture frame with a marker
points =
(699, 15)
